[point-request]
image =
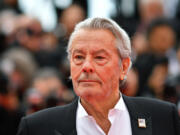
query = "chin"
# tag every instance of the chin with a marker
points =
(91, 96)
(91, 92)
(85, 93)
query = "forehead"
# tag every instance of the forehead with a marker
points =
(162, 28)
(94, 39)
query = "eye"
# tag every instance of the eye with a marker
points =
(99, 57)
(101, 60)
(78, 59)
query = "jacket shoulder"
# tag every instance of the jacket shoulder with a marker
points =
(151, 102)
(151, 106)
(163, 116)
(47, 121)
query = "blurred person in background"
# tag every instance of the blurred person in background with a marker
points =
(20, 66)
(160, 40)
(156, 81)
(49, 53)
(10, 111)
(161, 36)
(159, 85)
(27, 33)
(150, 10)
(47, 90)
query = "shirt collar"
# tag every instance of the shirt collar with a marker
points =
(81, 112)
(120, 105)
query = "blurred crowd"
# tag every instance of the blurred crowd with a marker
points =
(34, 70)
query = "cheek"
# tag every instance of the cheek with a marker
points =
(110, 76)
(75, 74)
(75, 71)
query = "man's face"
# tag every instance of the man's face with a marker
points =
(95, 64)
(161, 39)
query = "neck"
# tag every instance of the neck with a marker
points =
(99, 110)
(101, 107)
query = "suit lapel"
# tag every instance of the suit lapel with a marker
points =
(136, 112)
(71, 110)
(72, 117)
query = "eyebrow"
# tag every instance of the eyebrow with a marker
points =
(94, 53)
(78, 51)
(101, 51)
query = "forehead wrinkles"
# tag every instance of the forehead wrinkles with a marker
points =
(88, 37)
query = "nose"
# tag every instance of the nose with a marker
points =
(88, 67)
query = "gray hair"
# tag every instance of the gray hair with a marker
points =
(123, 41)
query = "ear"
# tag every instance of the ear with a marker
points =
(125, 66)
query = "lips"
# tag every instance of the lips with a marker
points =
(86, 78)
(88, 81)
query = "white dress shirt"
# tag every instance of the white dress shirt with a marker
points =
(118, 116)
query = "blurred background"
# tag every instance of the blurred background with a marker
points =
(34, 70)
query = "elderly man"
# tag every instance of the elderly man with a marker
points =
(99, 53)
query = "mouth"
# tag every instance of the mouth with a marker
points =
(88, 81)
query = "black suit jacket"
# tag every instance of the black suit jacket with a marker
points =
(161, 119)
